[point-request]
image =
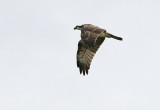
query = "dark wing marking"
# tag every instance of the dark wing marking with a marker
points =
(85, 55)
(89, 34)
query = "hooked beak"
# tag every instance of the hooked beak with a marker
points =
(75, 27)
(78, 27)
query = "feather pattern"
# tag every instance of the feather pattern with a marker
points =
(91, 39)
(86, 53)
(90, 33)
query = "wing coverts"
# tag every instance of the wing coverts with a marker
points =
(86, 53)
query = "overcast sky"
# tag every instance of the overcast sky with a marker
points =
(38, 55)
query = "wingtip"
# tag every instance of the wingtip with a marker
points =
(87, 72)
(80, 70)
(84, 72)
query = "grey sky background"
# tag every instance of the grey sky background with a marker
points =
(38, 55)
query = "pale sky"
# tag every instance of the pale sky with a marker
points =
(38, 48)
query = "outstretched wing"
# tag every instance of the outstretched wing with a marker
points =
(90, 33)
(85, 55)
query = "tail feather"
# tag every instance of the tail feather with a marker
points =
(115, 37)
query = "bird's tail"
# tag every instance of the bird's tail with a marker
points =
(114, 37)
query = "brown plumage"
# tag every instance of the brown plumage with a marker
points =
(90, 33)
(91, 39)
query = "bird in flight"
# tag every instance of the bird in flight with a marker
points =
(91, 39)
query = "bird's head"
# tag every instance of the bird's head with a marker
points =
(78, 27)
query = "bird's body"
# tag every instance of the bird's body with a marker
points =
(91, 39)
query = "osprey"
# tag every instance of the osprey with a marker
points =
(91, 39)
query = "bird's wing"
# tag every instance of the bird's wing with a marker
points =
(90, 34)
(85, 55)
